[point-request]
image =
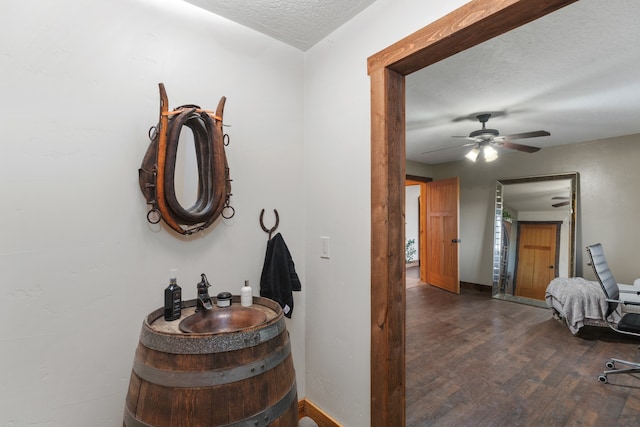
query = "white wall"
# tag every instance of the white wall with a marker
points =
(418, 169)
(337, 171)
(80, 266)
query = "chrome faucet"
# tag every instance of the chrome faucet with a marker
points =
(203, 303)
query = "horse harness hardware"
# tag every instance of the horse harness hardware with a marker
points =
(157, 172)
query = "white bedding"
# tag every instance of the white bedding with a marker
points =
(580, 302)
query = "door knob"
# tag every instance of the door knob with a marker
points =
(456, 240)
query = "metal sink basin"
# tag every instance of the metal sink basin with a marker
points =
(218, 320)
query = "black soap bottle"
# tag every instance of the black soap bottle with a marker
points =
(172, 298)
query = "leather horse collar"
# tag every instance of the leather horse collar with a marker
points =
(157, 172)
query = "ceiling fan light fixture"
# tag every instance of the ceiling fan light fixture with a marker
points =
(473, 154)
(486, 139)
(490, 154)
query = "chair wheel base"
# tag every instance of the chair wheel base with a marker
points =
(603, 379)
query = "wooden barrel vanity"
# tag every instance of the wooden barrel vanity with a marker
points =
(230, 376)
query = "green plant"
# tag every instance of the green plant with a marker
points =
(410, 250)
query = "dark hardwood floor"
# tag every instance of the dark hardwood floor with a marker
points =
(475, 361)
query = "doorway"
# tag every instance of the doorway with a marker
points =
(537, 257)
(421, 241)
(438, 212)
(472, 24)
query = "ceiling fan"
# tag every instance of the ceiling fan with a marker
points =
(485, 139)
(560, 204)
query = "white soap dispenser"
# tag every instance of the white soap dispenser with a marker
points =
(246, 295)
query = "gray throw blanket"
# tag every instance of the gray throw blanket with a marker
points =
(582, 301)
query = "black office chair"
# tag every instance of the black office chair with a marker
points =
(629, 324)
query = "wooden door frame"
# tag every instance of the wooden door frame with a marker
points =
(465, 27)
(422, 244)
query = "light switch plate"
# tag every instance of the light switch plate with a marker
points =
(324, 247)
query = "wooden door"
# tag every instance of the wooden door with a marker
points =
(536, 259)
(443, 207)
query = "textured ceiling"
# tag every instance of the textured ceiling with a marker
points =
(573, 73)
(299, 23)
(538, 196)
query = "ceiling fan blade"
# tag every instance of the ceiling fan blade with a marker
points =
(449, 148)
(533, 134)
(557, 205)
(560, 198)
(519, 147)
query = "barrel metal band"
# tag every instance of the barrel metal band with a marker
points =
(264, 418)
(211, 378)
(261, 419)
(193, 344)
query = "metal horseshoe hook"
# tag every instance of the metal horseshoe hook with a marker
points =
(272, 229)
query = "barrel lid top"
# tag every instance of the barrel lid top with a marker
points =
(166, 336)
(156, 322)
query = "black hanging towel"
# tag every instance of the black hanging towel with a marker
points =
(279, 277)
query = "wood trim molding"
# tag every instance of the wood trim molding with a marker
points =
(306, 408)
(422, 221)
(465, 27)
(417, 179)
(472, 24)
(387, 249)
